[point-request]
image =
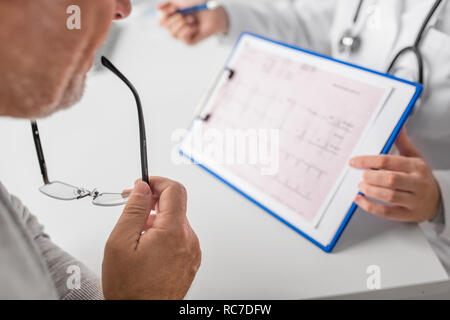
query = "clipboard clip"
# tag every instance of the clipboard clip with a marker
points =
(231, 73)
(204, 111)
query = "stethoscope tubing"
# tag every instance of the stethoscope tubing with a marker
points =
(414, 49)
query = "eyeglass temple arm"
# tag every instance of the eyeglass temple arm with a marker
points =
(142, 135)
(39, 152)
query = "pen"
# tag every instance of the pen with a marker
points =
(209, 5)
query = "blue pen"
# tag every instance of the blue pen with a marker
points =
(210, 5)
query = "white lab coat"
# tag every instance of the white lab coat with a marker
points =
(319, 24)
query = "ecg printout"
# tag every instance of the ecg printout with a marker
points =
(321, 116)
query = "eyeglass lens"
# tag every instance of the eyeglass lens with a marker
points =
(63, 191)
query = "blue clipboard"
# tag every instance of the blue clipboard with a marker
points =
(386, 149)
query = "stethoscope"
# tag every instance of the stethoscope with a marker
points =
(350, 41)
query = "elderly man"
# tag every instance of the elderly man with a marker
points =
(43, 68)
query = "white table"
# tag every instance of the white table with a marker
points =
(246, 253)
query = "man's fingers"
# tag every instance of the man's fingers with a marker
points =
(135, 214)
(386, 195)
(159, 184)
(172, 204)
(406, 147)
(149, 223)
(391, 179)
(170, 198)
(395, 213)
(383, 162)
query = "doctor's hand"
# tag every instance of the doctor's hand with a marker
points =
(192, 28)
(405, 184)
(161, 262)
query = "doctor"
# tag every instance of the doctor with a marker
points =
(371, 33)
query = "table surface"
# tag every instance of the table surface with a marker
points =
(246, 252)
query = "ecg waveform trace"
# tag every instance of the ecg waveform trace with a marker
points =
(320, 116)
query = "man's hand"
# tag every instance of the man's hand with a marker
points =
(404, 183)
(192, 28)
(152, 256)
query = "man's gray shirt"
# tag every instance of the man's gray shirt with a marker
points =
(31, 265)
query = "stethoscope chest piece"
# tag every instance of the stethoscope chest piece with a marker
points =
(351, 40)
(349, 43)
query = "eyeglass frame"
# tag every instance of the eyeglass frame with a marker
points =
(142, 137)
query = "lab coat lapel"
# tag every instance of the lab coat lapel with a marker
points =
(391, 11)
(411, 21)
(381, 32)
(379, 35)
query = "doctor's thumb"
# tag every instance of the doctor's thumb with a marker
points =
(406, 147)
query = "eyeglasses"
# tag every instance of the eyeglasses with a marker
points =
(64, 191)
